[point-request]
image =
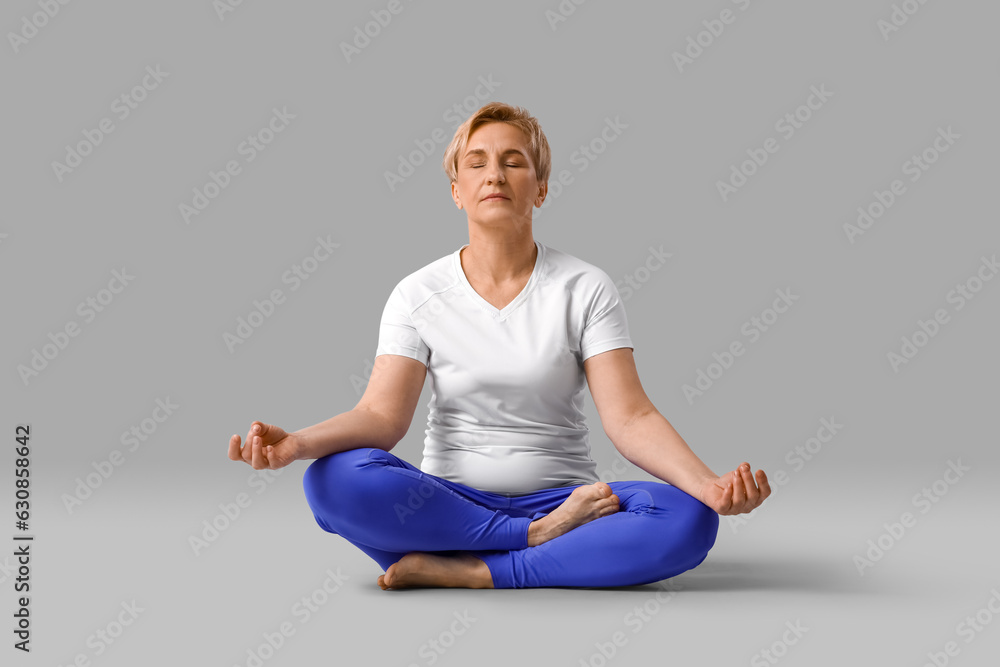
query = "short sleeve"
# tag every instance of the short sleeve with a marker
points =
(606, 326)
(397, 334)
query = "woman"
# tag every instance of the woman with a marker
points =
(510, 331)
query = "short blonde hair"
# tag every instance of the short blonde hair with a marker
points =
(498, 112)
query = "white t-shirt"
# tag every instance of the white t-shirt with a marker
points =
(506, 412)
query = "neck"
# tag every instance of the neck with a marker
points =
(499, 260)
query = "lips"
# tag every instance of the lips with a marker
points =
(491, 197)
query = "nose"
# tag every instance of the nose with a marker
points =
(494, 174)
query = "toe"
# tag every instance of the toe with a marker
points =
(603, 489)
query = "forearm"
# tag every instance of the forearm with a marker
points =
(349, 430)
(652, 444)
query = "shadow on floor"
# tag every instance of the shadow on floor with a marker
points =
(775, 574)
(798, 574)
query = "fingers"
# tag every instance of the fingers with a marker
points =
(234, 448)
(252, 450)
(256, 456)
(749, 491)
(765, 486)
(750, 486)
(247, 450)
(259, 459)
(739, 491)
(725, 502)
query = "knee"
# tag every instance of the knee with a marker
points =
(703, 527)
(698, 530)
(693, 531)
(330, 476)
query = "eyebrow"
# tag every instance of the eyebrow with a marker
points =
(480, 151)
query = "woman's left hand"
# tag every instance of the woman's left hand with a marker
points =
(736, 492)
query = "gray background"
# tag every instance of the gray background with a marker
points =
(655, 185)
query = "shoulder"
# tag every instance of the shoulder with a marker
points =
(417, 287)
(578, 275)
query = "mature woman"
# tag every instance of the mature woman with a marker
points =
(510, 331)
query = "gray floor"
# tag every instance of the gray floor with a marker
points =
(790, 566)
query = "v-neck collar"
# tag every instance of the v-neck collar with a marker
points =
(500, 313)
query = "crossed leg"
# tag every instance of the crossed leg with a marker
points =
(427, 531)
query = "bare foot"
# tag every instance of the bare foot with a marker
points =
(419, 569)
(586, 503)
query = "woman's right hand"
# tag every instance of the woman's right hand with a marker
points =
(267, 446)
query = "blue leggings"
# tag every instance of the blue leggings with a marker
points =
(387, 508)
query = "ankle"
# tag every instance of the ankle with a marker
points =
(533, 533)
(538, 532)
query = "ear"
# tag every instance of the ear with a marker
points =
(543, 190)
(454, 194)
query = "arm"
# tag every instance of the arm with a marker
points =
(348, 430)
(380, 419)
(645, 437)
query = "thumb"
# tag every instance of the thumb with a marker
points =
(714, 491)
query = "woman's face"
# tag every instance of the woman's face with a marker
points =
(497, 160)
